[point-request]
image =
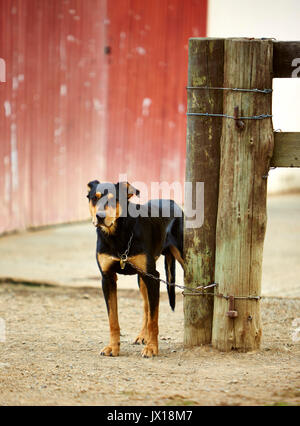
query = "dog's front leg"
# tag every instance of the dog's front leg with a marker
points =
(109, 286)
(152, 285)
(142, 337)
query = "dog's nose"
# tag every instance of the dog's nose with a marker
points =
(100, 216)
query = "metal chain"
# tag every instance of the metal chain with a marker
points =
(194, 291)
(123, 259)
(200, 288)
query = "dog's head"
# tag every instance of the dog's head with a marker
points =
(108, 201)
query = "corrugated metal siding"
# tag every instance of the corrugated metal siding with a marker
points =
(53, 123)
(147, 80)
(69, 113)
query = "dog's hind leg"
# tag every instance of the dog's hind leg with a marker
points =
(152, 285)
(142, 337)
(109, 286)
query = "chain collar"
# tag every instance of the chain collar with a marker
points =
(124, 257)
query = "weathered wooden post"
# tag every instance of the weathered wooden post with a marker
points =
(202, 165)
(246, 149)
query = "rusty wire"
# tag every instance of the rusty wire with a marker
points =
(251, 117)
(234, 89)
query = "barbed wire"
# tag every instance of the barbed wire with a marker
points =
(233, 89)
(253, 117)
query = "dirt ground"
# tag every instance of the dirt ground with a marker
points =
(52, 355)
(51, 336)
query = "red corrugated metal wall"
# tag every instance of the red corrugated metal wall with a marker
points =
(52, 109)
(147, 80)
(70, 113)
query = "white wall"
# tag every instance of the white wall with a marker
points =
(278, 19)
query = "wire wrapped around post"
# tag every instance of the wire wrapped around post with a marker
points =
(206, 62)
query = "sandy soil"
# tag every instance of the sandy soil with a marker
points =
(51, 355)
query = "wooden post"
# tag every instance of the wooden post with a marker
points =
(202, 165)
(241, 223)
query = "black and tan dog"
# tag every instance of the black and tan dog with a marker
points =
(130, 244)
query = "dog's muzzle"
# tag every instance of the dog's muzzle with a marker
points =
(100, 216)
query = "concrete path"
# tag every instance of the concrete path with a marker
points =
(65, 255)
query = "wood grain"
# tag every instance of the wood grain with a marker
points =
(241, 222)
(202, 165)
(286, 149)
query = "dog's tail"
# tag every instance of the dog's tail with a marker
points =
(170, 275)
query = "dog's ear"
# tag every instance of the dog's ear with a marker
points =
(92, 185)
(131, 190)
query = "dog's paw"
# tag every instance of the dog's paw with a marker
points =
(140, 340)
(110, 350)
(150, 350)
